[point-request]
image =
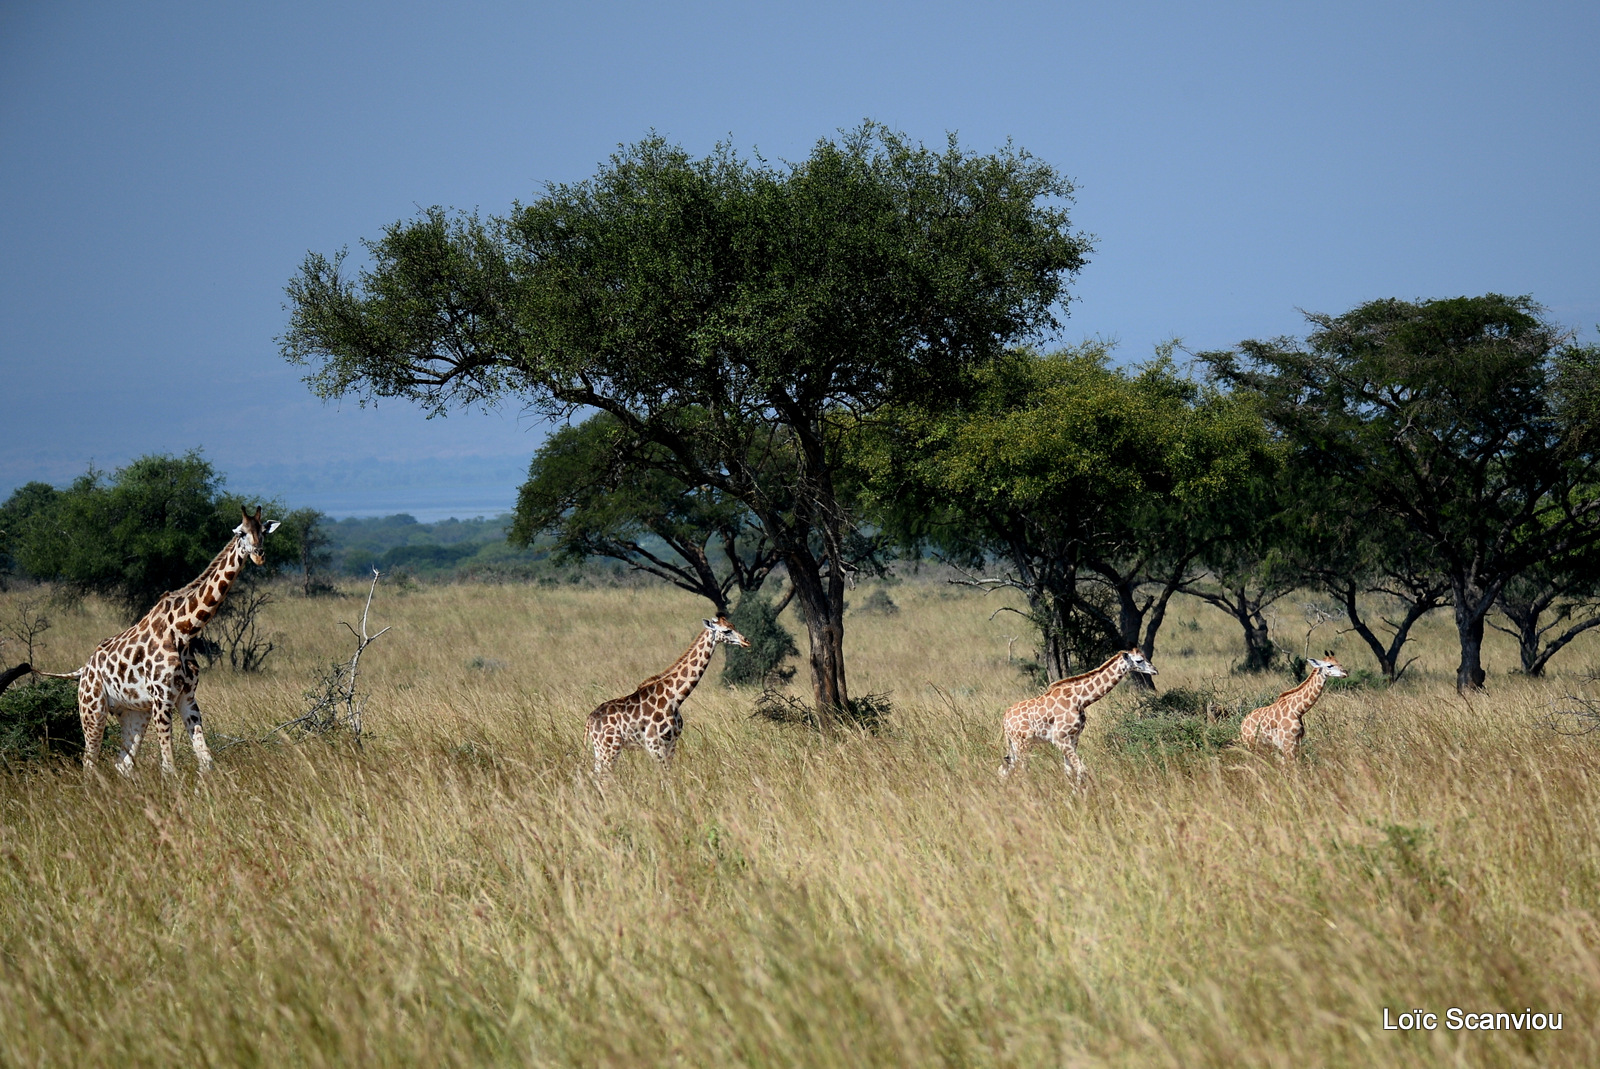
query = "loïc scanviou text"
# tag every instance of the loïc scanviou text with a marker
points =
(1457, 1019)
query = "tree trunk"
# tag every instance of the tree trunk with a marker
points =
(1471, 606)
(1260, 653)
(821, 601)
(1525, 629)
(1132, 620)
(1526, 616)
(1388, 657)
(1469, 673)
(1055, 659)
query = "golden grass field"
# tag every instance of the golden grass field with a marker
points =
(456, 892)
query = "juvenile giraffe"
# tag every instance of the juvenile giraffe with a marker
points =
(1057, 716)
(148, 673)
(1282, 725)
(649, 719)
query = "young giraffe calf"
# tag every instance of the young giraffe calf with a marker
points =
(1057, 716)
(147, 673)
(649, 718)
(1282, 724)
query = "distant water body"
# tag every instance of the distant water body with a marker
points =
(431, 490)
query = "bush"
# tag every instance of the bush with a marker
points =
(149, 529)
(1177, 722)
(40, 719)
(879, 603)
(867, 713)
(770, 645)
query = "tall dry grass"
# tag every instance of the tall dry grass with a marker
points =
(456, 892)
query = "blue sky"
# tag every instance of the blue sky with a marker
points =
(166, 166)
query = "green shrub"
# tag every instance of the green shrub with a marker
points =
(770, 645)
(39, 719)
(879, 603)
(1179, 721)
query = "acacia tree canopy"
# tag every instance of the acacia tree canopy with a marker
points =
(1090, 486)
(740, 316)
(1468, 422)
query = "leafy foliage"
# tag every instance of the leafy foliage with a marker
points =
(147, 529)
(1460, 437)
(1178, 722)
(771, 645)
(601, 493)
(1088, 484)
(39, 719)
(20, 508)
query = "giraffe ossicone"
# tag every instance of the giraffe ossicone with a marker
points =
(1281, 725)
(650, 718)
(148, 673)
(1057, 716)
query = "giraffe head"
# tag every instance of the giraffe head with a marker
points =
(722, 631)
(253, 534)
(1330, 667)
(1136, 662)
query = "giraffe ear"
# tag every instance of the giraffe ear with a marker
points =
(711, 625)
(272, 526)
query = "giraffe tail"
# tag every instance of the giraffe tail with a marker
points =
(60, 675)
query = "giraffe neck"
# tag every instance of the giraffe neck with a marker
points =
(676, 682)
(1306, 694)
(1102, 679)
(194, 605)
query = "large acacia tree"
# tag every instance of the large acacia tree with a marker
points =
(1464, 430)
(740, 317)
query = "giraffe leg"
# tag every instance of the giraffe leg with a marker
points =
(92, 715)
(1067, 742)
(133, 722)
(662, 750)
(606, 748)
(1008, 760)
(1287, 742)
(1073, 763)
(197, 736)
(161, 720)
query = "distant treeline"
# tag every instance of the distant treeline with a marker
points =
(149, 527)
(358, 545)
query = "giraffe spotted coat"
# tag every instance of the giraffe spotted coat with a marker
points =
(1057, 716)
(650, 718)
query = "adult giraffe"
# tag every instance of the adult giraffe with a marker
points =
(148, 673)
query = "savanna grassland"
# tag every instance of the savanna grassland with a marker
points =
(456, 892)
